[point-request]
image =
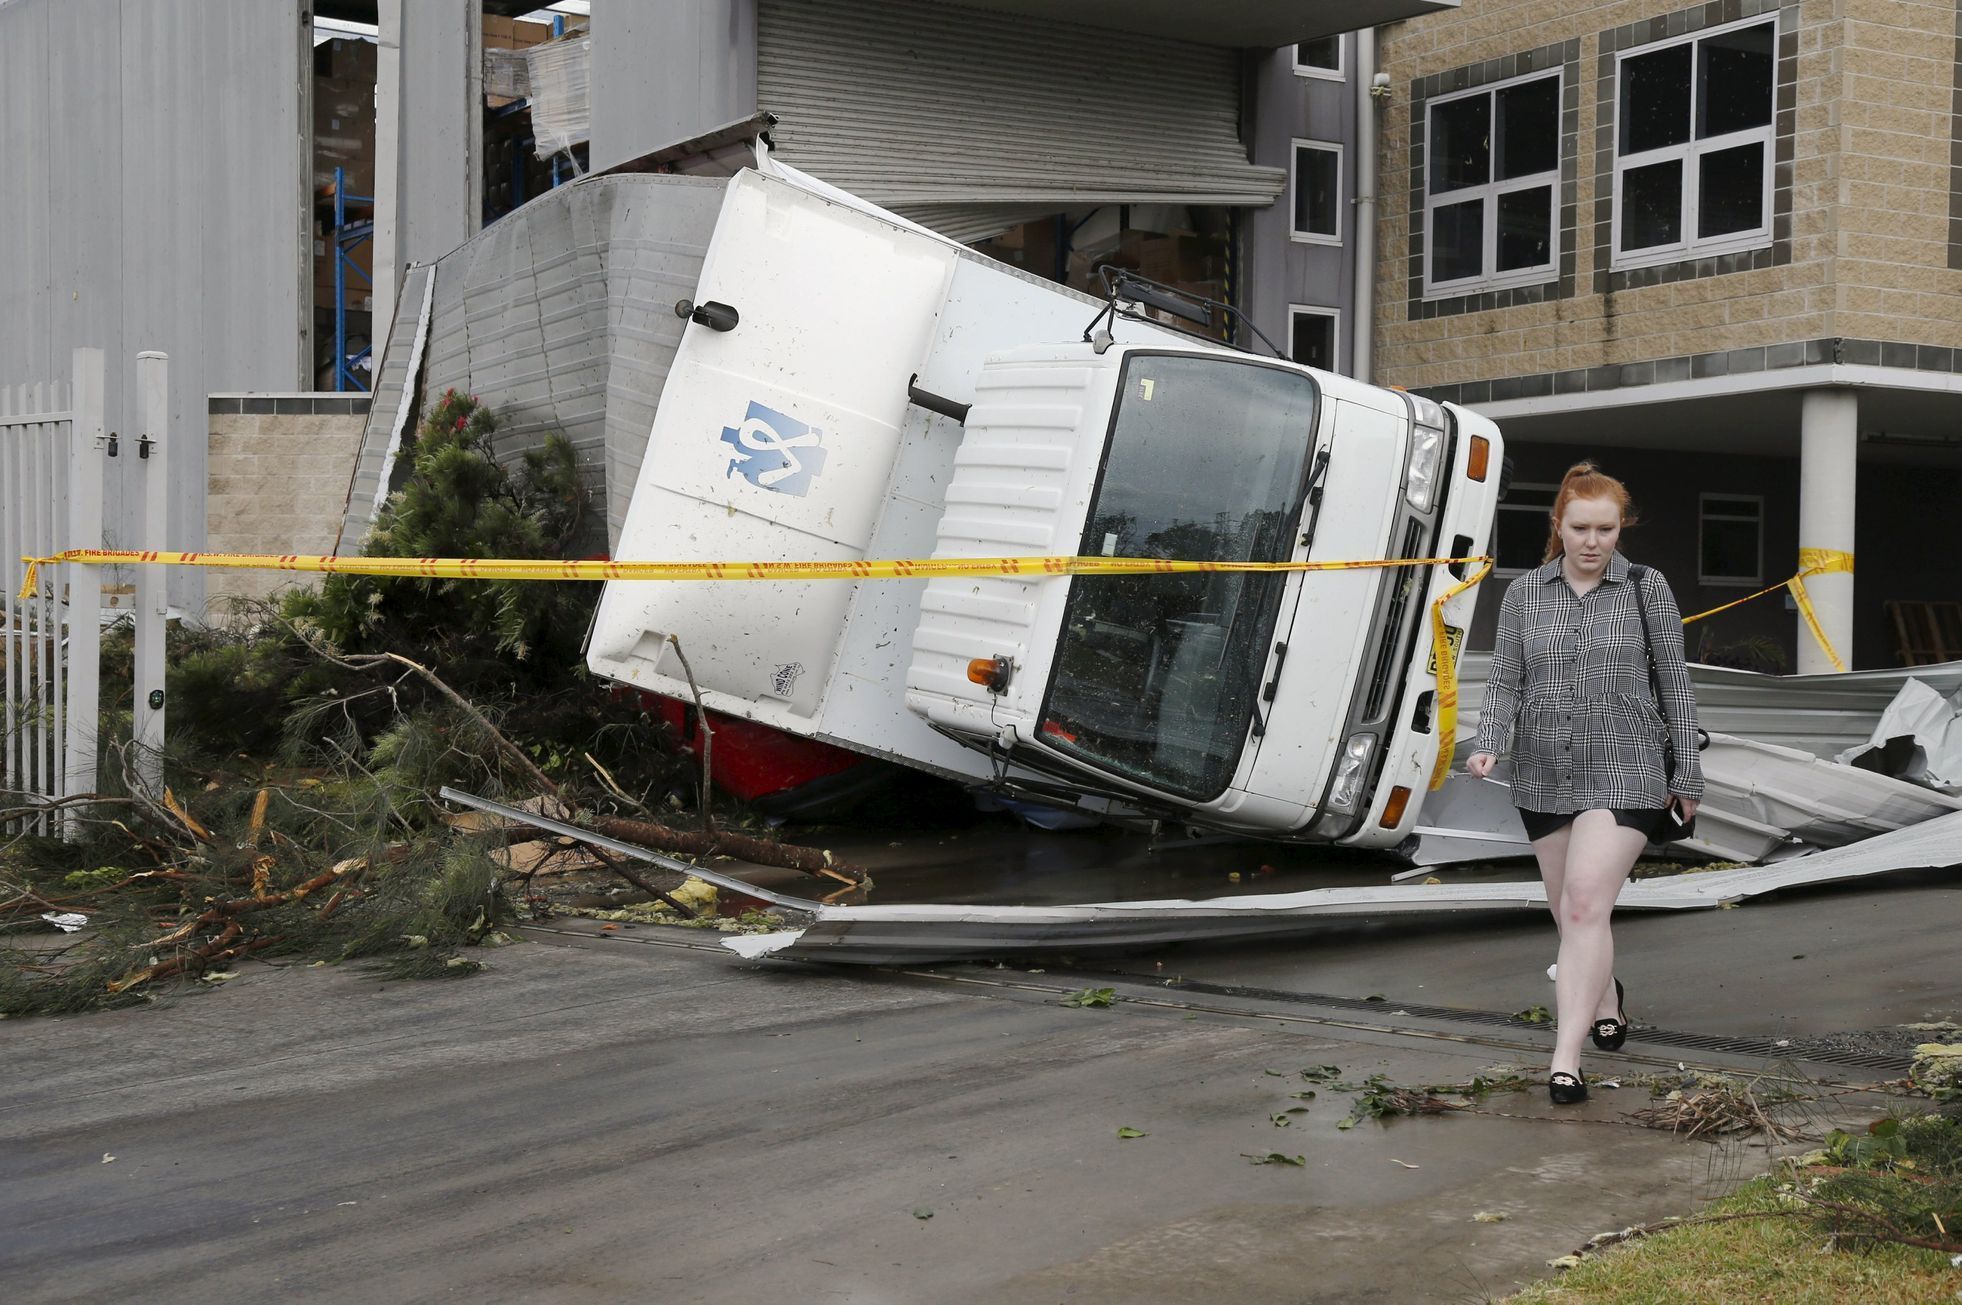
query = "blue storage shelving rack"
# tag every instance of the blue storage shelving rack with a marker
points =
(347, 236)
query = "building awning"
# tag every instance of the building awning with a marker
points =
(1261, 24)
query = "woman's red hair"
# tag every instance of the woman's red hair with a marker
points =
(1584, 480)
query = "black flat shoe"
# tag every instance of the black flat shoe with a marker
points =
(1608, 1035)
(1566, 1089)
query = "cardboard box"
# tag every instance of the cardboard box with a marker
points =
(347, 58)
(343, 134)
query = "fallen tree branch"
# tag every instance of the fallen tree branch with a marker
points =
(611, 784)
(1878, 1228)
(757, 851)
(371, 661)
(640, 881)
(660, 837)
(1605, 1240)
(73, 800)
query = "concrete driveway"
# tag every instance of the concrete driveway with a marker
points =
(643, 1117)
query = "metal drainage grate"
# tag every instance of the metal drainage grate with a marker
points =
(1762, 1048)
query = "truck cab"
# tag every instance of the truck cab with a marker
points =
(1284, 704)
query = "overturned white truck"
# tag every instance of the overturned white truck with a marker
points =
(854, 387)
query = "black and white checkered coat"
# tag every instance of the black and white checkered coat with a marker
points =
(1570, 683)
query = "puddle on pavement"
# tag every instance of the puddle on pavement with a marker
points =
(1000, 862)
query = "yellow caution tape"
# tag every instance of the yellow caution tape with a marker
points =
(1812, 561)
(470, 568)
(1447, 678)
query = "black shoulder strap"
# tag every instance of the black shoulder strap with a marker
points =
(1640, 575)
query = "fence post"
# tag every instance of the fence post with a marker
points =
(86, 441)
(152, 593)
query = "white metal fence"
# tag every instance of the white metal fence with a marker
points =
(53, 452)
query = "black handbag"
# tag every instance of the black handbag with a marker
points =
(1671, 828)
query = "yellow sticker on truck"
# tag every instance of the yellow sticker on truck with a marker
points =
(1454, 637)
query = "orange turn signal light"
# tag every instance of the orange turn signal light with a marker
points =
(991, 673)
(1394, 808)
(1479, 460)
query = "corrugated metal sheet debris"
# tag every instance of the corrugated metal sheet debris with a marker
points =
(560, 317)
(882, 935)
(1820, 714)
(390, 408)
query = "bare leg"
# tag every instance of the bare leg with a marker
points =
(1551, 853)
(1600, 853)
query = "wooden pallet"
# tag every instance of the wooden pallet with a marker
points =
(1926, 632)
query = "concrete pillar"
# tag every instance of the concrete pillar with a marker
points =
(1829, 448)
(439, 199)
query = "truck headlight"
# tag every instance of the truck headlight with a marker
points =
(1420, 475)
(1349, 772)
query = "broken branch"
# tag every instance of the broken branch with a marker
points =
(723, 843)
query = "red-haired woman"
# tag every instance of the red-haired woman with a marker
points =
(1588, 679)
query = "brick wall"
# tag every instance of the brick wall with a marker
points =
(1863, 223)
(278, 472)
(1895, 167)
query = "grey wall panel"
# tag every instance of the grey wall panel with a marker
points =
(25, 160)
(164, 211)
(665, 72)
(439, 193)
(245, 185)
(561, 318)
(1281, 270)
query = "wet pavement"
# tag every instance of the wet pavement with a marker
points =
(640, 1116)
(997, 861)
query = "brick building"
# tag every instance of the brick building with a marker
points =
(1719, 250)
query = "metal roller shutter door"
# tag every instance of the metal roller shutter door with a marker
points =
(969, 122)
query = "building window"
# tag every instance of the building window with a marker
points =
(1693, 145)
(1731, 548)
(1492, 189)
(1319, 58)
(1520, 529)
(1314, 336)
(1315, 190)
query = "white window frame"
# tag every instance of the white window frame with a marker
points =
(1704, 515)
(1335, 74)
(1553, 490)
(1294, 180)
(1690, 154)
(1334, 316)
(1488, 194)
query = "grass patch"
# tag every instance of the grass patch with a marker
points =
(1870, 1219)
(1777, 1259)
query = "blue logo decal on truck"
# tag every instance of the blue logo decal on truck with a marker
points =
(774, 451)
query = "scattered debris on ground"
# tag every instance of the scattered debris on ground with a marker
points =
(1713, 1106)
(298, 815)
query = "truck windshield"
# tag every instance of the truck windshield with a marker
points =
(1156, 676)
